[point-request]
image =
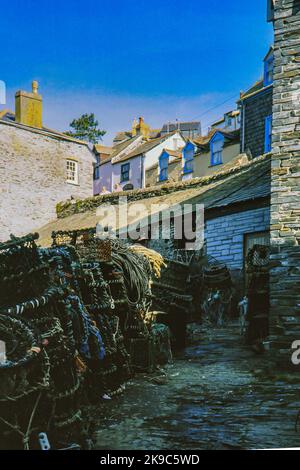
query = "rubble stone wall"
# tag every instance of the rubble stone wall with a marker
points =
(33, 178)
(285, 199)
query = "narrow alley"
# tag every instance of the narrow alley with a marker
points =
(216, 395)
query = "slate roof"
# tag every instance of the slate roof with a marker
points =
(103, 149)
(230, 137)
(122, 136)
(125, 135)
(232, 113)
(245, 186)
(249, 182)
(144, 147)
(254, 89)
(174, 153)
(9, 117)
(121, 147)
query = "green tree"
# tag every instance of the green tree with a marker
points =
(86, 128)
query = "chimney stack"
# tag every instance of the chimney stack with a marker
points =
(29, 107)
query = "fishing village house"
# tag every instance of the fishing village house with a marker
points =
(231, 121)
(39, 167)
(125, 168)
(256, 112)
(201, 156)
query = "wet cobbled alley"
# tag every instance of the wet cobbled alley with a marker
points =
(217, 394)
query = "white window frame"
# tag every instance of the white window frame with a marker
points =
(72, 168)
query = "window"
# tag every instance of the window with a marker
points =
(97, 169)
(125, 170)
(268, 134)
(216, 147)
(188, 155)
(163, 167)
(96, 172)
(128, 187)
(72, 172)
(228, 121)
(251, 239)
(269, 69)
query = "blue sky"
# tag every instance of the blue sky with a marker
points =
(120, 59)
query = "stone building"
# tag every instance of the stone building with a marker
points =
(285, 197)
(39, 167)
(256, 112)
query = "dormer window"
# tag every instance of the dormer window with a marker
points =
(269, 69)
(163, 166)
(216, 149)
(188, 158)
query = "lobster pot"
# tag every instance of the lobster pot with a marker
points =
(216, 276)
(175, 274)
(90, 249)
(160, 335)
(24, 373)
(67, 384)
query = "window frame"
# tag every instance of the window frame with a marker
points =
(123, 177)
(97, 169)
(188, 163)
(75, 180)
(269, 69)
(268, 133)
(218, 137)
(163, 170)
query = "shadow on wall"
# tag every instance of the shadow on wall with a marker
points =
(296, 7)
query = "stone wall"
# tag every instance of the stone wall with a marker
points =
(285, 200)
(255, 109)
(33, 177)
(225, 235)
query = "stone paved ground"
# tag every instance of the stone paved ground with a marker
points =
(216, 395)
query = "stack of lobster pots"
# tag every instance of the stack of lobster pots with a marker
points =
(39, 380)
(72, 328)
(171, 296)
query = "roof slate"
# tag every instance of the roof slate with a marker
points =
(9, 117)
(144, 147)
